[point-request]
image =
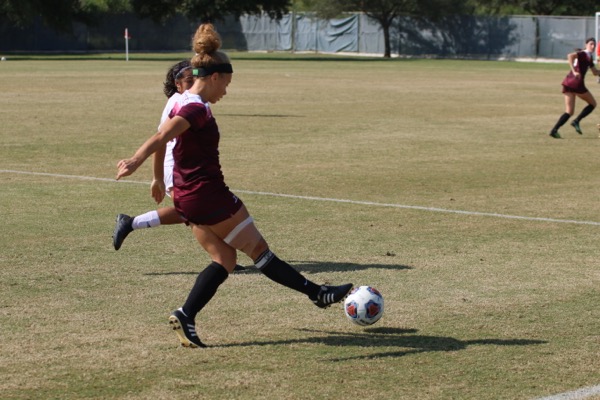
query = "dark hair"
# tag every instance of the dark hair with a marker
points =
(590, 39)
(169, 86)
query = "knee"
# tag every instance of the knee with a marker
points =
(248, 240)
(224, 255)
(254, 248)
(259, 249)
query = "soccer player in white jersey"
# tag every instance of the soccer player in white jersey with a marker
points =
(178, 79)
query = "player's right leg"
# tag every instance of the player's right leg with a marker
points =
(569, 107)
(126, 224)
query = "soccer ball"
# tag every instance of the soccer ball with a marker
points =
(364, 305)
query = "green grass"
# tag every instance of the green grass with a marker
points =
(477, 306)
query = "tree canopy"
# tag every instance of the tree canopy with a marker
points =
(60, 14)
(208, 10)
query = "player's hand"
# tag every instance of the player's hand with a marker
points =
(126, 167)
(158, 190)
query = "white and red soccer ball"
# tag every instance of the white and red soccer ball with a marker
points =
(364, 305)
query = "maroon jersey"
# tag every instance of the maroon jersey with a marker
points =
(199, 191)
(582, 63)
(196, 152)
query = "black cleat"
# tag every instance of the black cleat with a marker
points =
(239, 268)
(329, 295)
(185, 328)
(122, 229)
(555, 134)
(575, 124)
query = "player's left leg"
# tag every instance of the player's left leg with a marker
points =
(246, 238)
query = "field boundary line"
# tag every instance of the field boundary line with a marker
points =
(578, 394)
(332, 200)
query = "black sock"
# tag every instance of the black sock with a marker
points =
(585, 112)
(561, 121)
(207, 283)
(284, 274)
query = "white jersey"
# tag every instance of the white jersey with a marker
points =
(169, 161)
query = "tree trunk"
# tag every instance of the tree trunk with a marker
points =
(386, 40)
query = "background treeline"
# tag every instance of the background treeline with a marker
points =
(60, 14)
(67, 21)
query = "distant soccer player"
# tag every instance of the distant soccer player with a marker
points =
(574, 86)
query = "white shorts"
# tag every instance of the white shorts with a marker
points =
(168, 179)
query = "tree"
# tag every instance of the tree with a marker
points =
(536, 7)
(57, 14)
(382, 11)
(386, 11)
(208, 10)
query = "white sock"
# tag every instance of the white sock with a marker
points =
(147, 220)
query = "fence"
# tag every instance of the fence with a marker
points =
(457, 36)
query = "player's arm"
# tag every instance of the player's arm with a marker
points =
(168, 130)
(157, 187)
(571, 57)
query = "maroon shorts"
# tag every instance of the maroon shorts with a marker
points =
(209, 207)
(580, 89)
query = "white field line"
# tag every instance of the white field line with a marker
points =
(578, 394)
(313, 198)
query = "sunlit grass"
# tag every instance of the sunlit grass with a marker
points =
(478, 306)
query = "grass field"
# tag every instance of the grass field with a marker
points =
(355, 170)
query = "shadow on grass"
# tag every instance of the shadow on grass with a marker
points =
(304, 266)
(404, 339)
(262, 115)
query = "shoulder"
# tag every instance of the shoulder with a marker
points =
(189, 98)
(173, 100)
(196, 113)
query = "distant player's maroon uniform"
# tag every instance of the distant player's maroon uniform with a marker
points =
(583, 62)
(200, 193)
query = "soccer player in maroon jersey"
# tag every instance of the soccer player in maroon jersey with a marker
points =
(574, 86)
(220, 221)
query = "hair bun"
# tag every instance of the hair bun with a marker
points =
(206, 40)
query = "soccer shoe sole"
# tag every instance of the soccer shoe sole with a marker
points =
(175, 324)
(119, 235)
